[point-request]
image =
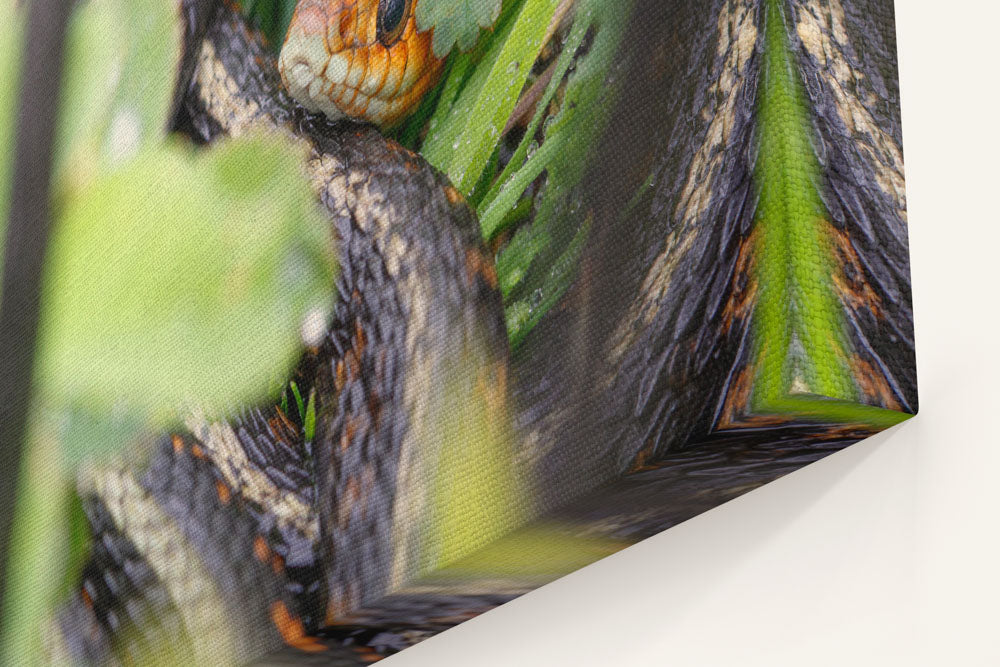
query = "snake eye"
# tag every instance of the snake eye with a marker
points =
(391, 20)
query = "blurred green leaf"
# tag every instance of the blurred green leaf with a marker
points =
(174, 277)
(121, 65)
(538, 552)
(10, 62)
(462, 144)
(181, 279)
(456, 21)
(40, 545)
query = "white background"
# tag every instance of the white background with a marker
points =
(887, 553)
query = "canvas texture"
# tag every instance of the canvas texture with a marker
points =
(363, 317)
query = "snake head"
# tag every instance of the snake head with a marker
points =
(362, 59)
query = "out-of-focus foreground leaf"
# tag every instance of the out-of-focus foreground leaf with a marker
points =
(175, 277)
(121, 70)
(11, 26)
(181, 279)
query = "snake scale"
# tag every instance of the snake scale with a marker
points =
(239, 538)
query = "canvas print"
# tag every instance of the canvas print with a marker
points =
(359, 318)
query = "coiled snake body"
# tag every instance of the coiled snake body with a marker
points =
(242, 537)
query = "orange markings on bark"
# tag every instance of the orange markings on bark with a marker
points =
(178, 443)
(199, 453)
(375, 410)
(453, 195)
(261, 550)
(643, 458)
(855, 291)
(348, 502)
(350, 428)
(223, 491)
(737, 402)
(743, 290)
(340, 376)
(341, 602)
(844, 431)
(353, 365)
(282, 425)
(292, 631)
(367, 654)
(360, 340)
(491, 386)
(873, 383)
(87, 600)
(477, 263)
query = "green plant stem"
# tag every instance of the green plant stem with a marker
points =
(26, 241)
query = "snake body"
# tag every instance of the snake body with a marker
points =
(241, 537)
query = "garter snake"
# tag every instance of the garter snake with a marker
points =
(240, 537)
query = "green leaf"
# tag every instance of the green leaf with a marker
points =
(39, 547)
(298, 400)
(120, 74)
(180, 279)
(514, 179)
(475, 124)
(523, 315)
(309, 420)
(456, 21)
(10, 63)
(539, 263)
(271, 17)
(554, 551)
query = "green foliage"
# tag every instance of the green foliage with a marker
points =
(175, 277)
(151, 303)
(39, 547)
(271, 17)
(456, 21)
(121, 57)
(535, 554)
(10, 61)
(467, 128)
(475, 491)
(537, 265)
(824, 410)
